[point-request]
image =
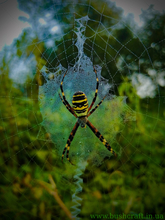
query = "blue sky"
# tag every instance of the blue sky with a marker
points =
(11, 27)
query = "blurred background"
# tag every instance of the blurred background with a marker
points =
(128, 42)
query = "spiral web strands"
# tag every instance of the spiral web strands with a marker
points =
(78, 77)
(81, 77)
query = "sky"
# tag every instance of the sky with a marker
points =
(11, 26)
(133, 6)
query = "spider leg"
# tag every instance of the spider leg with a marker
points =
(97, 86)
(101, 138)
(63, 95)
(67, 146)
(67, 106)
(96, 107)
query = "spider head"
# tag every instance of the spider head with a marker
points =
(80, 104)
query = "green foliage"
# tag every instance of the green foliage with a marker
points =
(132, 183)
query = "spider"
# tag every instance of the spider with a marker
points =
(81, 111)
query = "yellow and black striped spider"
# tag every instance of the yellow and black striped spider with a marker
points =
(81, 111)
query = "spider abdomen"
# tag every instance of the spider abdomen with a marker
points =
(80, 104)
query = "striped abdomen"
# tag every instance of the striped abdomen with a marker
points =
(80, 104)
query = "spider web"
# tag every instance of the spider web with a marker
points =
(74, 42)
(81, 77)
